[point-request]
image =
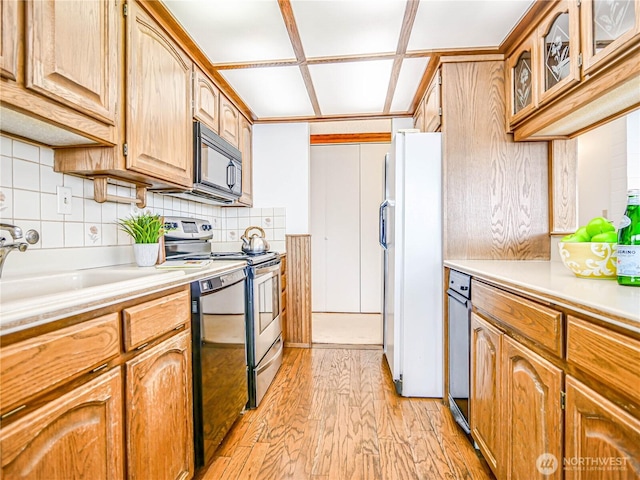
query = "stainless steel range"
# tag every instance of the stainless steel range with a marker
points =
(189, 239)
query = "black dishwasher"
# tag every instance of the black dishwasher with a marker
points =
(459, 295)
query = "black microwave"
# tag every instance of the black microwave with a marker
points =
(217, 166)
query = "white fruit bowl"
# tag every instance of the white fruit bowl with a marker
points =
(589, 259)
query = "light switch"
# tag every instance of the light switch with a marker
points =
(64, 200)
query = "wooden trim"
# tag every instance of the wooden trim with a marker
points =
(322, 139)
(526, 26)
(297, 329)
(486, 57)
(429, 73)
(332, 118)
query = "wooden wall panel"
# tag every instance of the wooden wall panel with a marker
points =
(297, 329)
(495, 190)
(563, 186)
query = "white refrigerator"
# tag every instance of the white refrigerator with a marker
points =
(411, 236)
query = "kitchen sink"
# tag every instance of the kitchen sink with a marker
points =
(33, 287)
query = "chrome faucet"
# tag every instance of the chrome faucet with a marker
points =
(32, 237)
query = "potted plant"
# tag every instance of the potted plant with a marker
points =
(146, 229)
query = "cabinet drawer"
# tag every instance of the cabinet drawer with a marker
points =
(541, 324)
(610, 357)
(41, 363)
(149, 320)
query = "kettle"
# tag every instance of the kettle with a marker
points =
(256, 243)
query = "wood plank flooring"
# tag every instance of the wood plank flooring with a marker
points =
(333, 414)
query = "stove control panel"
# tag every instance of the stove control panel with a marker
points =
(185, 228)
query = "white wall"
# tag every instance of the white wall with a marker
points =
(633, 149)
(281, 171)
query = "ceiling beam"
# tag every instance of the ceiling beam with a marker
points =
(405, 33)
(296, 43)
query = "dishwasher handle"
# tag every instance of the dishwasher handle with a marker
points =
(459, 298)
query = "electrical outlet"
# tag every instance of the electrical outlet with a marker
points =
(63, 195)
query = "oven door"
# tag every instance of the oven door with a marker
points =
(267, 325)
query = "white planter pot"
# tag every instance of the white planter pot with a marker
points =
(146, 254)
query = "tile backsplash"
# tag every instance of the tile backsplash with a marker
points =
(28, 187)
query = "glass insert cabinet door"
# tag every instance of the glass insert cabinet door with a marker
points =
(522, 80)
(609, 27)
(559, 42)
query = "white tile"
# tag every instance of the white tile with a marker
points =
(92, 235)
(88, 189)
(73, 234)
(46, 156)
(192, 208)
(49, 208)
(232, 236)
(109, 234)
(199, 209)
(36, 225)
(266, 212)
(6, 204)
(109, 212)
(256, 221)
(184, 205)
(6, 146)
(52, 235)
(232, 223)
(243, 223)
(92, 211)
(124, 238)
(268, 233)
(244, 212)
(49, 179)
(26, 205)
(26, 175)
(26, 151)
(6, 171)
(77, 210)
(215, 222)
(267, 222)
(168, 202)
(124, 210)
(255, 212)
(76, 184)
(279, 222)
(279, 212)
(112, 189)
(231, 212)
(279, 234)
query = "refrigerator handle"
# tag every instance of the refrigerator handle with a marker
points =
(382, 225)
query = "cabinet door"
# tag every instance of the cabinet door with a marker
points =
(206, 98)
(599, 430)
(72, 54)
(418, 118)
(532, 414)
(247, 163)
(159, 417)
(229, 122)
(432, 106)
(9, 39)
(521, 82)
(159, 122)
(559, 50)
(609, 27)
(484, 413)
(78, 435)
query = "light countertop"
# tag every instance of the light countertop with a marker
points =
(33, 310)
(551, 281)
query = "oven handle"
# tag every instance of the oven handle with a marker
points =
(264, 270)
(274, 357)
(459, 298)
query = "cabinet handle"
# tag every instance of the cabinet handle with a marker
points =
(142, 346)
(15, 410)
(179, 327)
(101, 367)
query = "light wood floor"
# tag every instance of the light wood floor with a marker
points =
(332, 414)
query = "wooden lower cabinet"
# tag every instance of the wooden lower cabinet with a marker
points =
(159, 428)
(532, 412)
(602, 440)
(486, 401)
(78, 435)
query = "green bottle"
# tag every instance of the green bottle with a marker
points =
(628, 263)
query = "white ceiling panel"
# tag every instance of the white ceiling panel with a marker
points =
(235, 31)
(271, 91)
(348, 27)
(444, 24)
(408, 81)
(351, 87)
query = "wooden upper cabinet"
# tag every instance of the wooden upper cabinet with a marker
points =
(418, 117)
(206, 100)
(9, 39)
(247, 162)
(78, 435)
(532, 415)
(558, 44)
(486, 396)
(608, 28)
(522, 83)
(598, 429)
(433, 106)
(159, 120)
(72, 54)
(159, 428)
(229, 122)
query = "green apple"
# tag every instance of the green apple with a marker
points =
(606, 237)
(581, 235)
(599, 225)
